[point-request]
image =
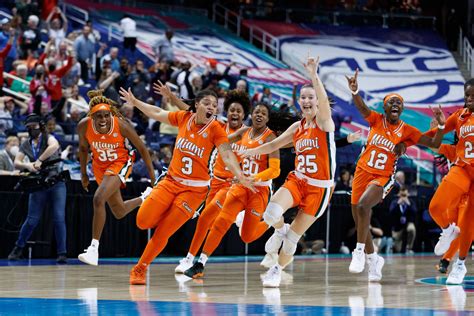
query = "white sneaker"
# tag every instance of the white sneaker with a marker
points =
(358, 261)
(90, 256)
(274, 243)
(375, 268)
(457, 274)
(273, 277)
(184, 264)
(445, 239)
(146, 193)
(239, 220)
(269, 260)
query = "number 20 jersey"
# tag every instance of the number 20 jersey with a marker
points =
(378, 155)
(315, 152)
(107, 148)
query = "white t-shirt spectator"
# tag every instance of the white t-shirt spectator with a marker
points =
(58, 35)
(129, 27)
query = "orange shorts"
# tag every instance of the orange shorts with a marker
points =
(169, 193)
(362, 179)
(461, 177)
(310, 199)
(122, 169)
(218, 186)
(241, 198)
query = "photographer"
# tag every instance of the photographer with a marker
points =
(402, 213)
(41, 148)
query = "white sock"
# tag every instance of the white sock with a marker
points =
(203, 259)
(190, 257)
(460, 262)
(372, 256)
(360, 246)
(95, 243)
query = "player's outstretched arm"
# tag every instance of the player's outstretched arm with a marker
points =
(359, 103)
(150, 110)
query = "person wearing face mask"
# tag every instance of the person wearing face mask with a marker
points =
(7, 156)
(38, 149)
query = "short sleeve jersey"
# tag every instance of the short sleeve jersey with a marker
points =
(107, 148)
(378, 155)
(315, 151)
(254, 164)
(194, 146)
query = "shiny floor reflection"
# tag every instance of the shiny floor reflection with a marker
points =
(311, 285)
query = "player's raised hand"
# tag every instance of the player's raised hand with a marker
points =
(311, 65)
(162, 89)
(127, 96)
(247, 182)
(352, 81)
(438, 114)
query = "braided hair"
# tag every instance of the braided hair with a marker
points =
(97, 97)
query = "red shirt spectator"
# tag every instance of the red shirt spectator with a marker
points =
(4, 54)
(53, 81)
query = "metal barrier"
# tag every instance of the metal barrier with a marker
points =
(465, 50)
(70, 9)
(231, 20)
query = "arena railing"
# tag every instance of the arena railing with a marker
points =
(75, 13)
(466, 51)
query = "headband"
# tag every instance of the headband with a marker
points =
(100, 107)
(391, 95)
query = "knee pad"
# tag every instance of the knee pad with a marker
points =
(290, 242)
(273, 213)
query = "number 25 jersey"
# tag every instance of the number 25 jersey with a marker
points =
(377, 156)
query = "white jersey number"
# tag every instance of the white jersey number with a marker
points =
(249, 167)
(107, 154)
(187, 168)
(469, 151)
(307, 164)
(379, 162)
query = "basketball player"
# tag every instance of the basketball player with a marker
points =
(376, 167)
(104, 131)
(174, 199)
(237, 106)
(263, 168)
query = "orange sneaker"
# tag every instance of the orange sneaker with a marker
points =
(138, 275)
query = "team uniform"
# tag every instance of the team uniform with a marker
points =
(174, 199)
(241, 198)
(377, 162)
(110, 155)
(312, 182)
(220, 184)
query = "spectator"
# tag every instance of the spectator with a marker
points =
(7, 156)
(129, 29)
(211, 75)
(107, 83)
(72, 77)
(399, 182)
(345, 181)
(75, 99)
(94, 32)
(3, 55)
(163, 48)
(242, 85)
(26, 8)
(184, 82)
(112, 57)
(123, 80)
(5, 35)
(20, 86)
(30, 38)
(41, 147)
(159, 72)
(56, 31)
(9, 113)
(402, 212)
(140, 79)
(167, 128)
(232, 80)
(54, 129)
(264, 97)
(84, 45)
(338, 119)
(140, 171)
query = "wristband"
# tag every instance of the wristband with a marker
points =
(441, 126)
(355, 92)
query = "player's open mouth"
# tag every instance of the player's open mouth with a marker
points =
(209, 114)
(307, 107)
(395, 110)
(258, 119)
(103, 125)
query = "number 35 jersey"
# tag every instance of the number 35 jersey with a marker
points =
(107, 148)
(315, 152)
(194, 145)
(378, 155)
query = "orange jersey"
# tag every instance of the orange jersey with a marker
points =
(107, 148)
(315, 154)
(461, 121)
(254, 164)
(449, 151)
(378, 157)
(220, 170)
(194, 146)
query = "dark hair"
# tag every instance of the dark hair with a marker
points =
(199, 96)
(241, 97)
(281, 121)
(469, 82)
(269, 109)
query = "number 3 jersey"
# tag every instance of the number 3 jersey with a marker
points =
(378, 155)
(315, 153)
(194, 145)
(107, 148)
